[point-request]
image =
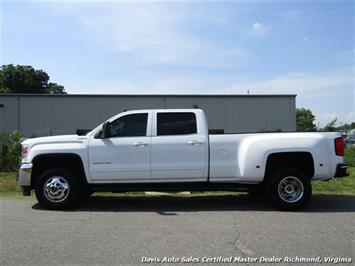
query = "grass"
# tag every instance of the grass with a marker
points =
(336, 186)
(8, 186)
(350, 156)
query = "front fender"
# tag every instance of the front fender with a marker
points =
(76, 149)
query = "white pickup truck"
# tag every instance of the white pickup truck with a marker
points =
(171, 150)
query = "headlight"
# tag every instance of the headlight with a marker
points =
(24, 150)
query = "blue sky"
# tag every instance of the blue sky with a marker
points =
(266, 47)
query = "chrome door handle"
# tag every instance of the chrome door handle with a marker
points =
(195, 142)
(140, 144)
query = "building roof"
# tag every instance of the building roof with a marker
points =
(145, 95)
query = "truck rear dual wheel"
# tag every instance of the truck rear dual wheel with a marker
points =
(57, 189)
(289, 189)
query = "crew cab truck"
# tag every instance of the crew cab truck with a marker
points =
(171, 150)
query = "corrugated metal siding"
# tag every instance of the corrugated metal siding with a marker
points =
(51, 115)
(243, 114)
(9, 113)
(63, 115)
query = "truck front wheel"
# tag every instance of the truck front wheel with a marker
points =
(289, 189)
(57, 189)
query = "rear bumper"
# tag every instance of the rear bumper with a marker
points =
(341, 170)
(24, 178)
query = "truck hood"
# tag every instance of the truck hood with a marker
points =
(55, 139)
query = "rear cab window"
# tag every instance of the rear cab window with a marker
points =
(176, 123)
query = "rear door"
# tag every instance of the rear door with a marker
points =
(179, 147)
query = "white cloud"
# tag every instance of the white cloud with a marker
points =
(306, 86)
(155, 33)
(143, 29)
(161, 34)
(259, 29)
(302, 84)
(350, 117)
(327, 116)
(324, 118)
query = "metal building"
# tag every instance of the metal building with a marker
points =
(41, 115)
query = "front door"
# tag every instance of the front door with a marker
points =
(125, 154)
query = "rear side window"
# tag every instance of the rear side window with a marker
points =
(134, 125)
(176, 124)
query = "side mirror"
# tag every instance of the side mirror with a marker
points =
(104, 132)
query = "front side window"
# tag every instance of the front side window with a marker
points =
(176, 124)
(134, 125)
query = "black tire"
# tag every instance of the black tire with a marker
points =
(57, 197)
(289, 189)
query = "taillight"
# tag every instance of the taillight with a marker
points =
(339, 146)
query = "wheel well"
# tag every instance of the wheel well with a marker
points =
(68, 161)
(300, 160)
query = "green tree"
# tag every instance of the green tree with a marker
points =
(344, 127)
(330, 126)
(305, 120)
(25, 79)
(54, 88)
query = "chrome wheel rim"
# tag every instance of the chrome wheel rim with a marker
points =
(56, 189)
(290, 189)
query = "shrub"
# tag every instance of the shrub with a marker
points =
(9, 150)
(350, 156)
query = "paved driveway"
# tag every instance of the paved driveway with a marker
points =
(123, 231)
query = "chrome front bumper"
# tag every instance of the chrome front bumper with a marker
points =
(24, 175)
